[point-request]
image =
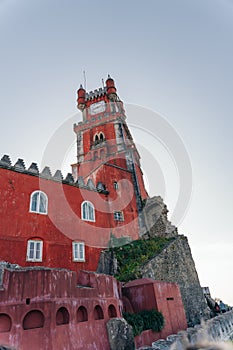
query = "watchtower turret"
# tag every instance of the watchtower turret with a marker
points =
(81, 98)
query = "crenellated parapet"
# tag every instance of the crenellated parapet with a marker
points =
(96, 93)
(101, 103)
(33, 169)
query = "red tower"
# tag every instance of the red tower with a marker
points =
(106, 153)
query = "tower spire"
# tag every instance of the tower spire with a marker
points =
(84, 79)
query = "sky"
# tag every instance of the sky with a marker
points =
(169, 58)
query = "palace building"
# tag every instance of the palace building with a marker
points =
(53, 230)
(48, 220)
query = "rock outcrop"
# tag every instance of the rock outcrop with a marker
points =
(175, 264)
(120, 334)
(156, 220)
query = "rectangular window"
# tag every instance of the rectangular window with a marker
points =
(34, 250)
(118, 216)
(78, 251)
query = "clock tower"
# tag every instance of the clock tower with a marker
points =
(106, 153)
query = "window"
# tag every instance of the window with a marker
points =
(101, 137)
(98, 313)
(33, 319)
(34, 250)
(39, 202)
(112, 311)
(118, 216)
(82, 315)
(62, 316)
(78, 251)
(88, 211)
(5, 323)
(115, 185)
(96, 139)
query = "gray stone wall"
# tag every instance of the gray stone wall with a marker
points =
(107, 263)
(156, 221)
(175, 264)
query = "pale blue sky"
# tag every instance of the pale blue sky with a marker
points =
(171, 56)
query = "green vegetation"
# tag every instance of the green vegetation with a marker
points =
(136, 321)
(144, 320)
(132, 256)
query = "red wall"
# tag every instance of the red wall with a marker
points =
(63, 223)
(45, 292)
(147, 294)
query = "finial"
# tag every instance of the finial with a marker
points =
(109, 76)
(84, 79)
(81, 87)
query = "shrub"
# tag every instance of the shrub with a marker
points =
(136, 321)
(152, 319)
(132, 256)
(144, 320)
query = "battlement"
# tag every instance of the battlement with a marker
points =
(96, 93)
(106, 93)
(56, 281)
(19, 166)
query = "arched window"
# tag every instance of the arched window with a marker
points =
(33, 319)
(5, 323)
(39, 202)
(82, 314)
(112, 311)
(62, 316)
(88, 211)
(96, 139)
(101, 135)
(98, 313)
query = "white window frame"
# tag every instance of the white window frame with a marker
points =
(37, 209)
(118, 215)
(78, 251)
(33, 257)
(86, 216)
